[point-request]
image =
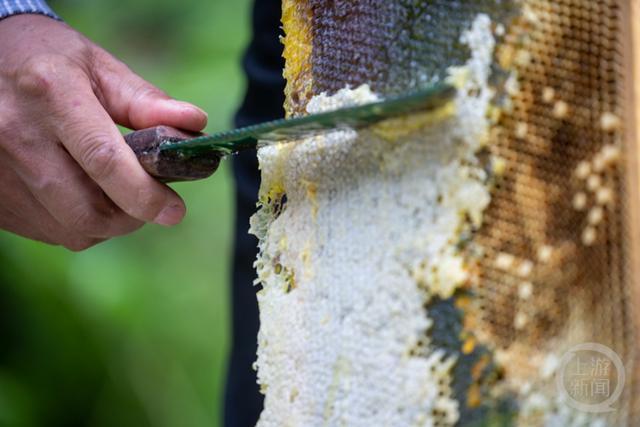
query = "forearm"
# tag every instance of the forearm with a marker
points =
(16, 7)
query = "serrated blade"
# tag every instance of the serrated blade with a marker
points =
(230, 142)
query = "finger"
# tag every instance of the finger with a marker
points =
(90, 136)
(76, 201)
(23, 215)
(71, 197)
(11, 222)
(134, 103)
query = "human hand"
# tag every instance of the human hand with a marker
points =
(66, 175)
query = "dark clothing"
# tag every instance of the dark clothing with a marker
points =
(264, 100)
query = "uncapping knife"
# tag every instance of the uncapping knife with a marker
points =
(172, 155)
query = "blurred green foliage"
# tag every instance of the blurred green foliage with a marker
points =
(133, 332)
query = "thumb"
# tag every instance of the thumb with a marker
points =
(136, 104)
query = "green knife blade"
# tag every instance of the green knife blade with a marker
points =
(246, 138)
(172, 155)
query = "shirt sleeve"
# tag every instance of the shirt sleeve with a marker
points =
(16, 7)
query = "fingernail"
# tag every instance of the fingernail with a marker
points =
(171, 215)
(189, 106)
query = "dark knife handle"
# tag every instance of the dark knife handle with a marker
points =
(170, 165)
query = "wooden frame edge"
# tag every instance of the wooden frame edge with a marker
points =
(630, 18)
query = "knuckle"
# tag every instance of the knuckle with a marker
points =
(38, 74)
(141, 89)
(144, 90)
(104, 61)
(88, 221)
(45, 184)
(99, 157)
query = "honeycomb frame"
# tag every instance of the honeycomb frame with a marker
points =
(608, 98)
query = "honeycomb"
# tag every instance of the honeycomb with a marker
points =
(391, 45)
(555, 261)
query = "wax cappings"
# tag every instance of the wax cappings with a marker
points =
(367, 236)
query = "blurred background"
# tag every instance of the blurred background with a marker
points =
(133, 332)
